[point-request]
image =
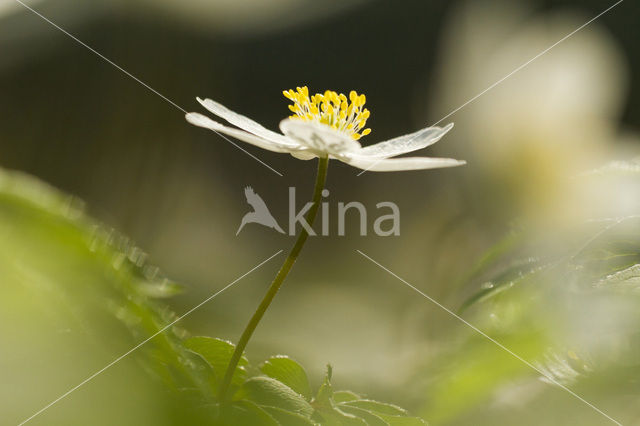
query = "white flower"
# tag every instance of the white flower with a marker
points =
(328, 124)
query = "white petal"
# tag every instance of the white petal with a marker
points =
(319, 138)
(398, 164)
(303, 155)
(203, 121)
(407, 143)
(245, 123)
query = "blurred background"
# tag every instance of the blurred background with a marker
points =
(553, 165)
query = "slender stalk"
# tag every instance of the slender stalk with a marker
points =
(323, 164)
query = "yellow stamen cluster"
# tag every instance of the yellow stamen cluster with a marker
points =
(336, 110)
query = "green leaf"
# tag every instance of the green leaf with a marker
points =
(390, 414)
(347, 408)
(159, 289)
(372, 419)
(288, 418)
(377, 407)
(217, 353)
(289, 372)
(344, 396)
(325, 392)
(270, 392)
(333, 416)
(245, 413)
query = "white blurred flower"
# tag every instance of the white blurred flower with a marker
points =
(328, 124)
(552, 120)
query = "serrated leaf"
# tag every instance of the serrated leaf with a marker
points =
(245, 413)
(327, 410)
(333, 416)
(217, 353)
(371, 418)
(325, 391)
(344, 396)
(160, 290)
(271, 392)
(377, 407)
(289, 372)
(288, 418)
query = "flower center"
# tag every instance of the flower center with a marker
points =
(344, 114)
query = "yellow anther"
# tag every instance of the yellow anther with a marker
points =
(342, 113)
(350, 109)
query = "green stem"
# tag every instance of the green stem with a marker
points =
(323, 164)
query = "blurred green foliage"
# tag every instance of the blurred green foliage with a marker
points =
(566, 301)
(50, 250)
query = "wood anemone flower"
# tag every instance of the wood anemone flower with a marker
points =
(328, 125)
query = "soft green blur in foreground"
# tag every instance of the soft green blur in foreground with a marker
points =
(70, 290)
(536, 241)
(55, 251)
